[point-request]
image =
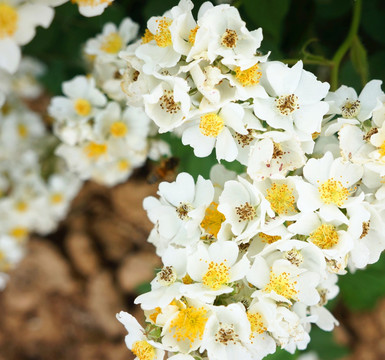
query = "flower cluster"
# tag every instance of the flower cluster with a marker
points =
(35, 187)
(251, 260)
(102, 138)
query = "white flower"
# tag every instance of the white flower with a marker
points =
(295, 99)
(137, 341)
(244, 208)
(212, 130)
(227, 334)
(18, 21)
(112, 39)
(91, 8)
(331, 184)
(213, 268)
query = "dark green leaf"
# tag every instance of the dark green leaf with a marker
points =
(360, 60)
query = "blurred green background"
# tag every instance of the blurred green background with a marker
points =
(312, 30)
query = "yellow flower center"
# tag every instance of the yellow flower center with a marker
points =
(8, 20)
(82, 107)
(21, 206)
(287, 104)
(112, 43)
(269, 239)
(91, 2)
(382, 149)
(143, 350)
(193, 34)
(281, 198)
(189, 324)
(333, 192)
(168, 104)
(216, 275)
(118, 129)
(19, 232)
(187, 279)
(211, 125)
(147, 36)
(155, 314)
(123, 165)
(229, 38)
(282, 285)
(94, 150)
(213, 220)
(162, 36)
(248, 77)
(22, 130)
(325, 236)
(56, 198)
(256, 323)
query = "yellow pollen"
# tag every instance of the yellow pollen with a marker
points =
(213, 220)
(365, 229)
(287, 104)
(269, 239)
(325, 236)
(155, 314)
(217, 275)
(382, 149)
(8, 20)
(333, 192)
(118, 129)
(162, 36)
(277, 150)
(19, 232)
(189, 324)
(193, 34)
(123, 165)
(282, 285)
(229, 38)
(187, 279)
(147, 36)
(256, 323)
(56, 198)
(211, 125)
(248, 77)
(245, 212)
(82, 107)
(21, 206)
(281, 198)
(167, 102)
(143, 350)
(22, 130)
(112, 43)
(94, 150)
(182, 210)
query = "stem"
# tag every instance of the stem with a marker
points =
(341, 51)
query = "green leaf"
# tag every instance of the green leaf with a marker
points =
(268, 14)
(362, 290)
(281, 355)
(360, 59)
(143, 288)
(373, 19)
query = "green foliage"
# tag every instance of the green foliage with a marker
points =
(359, 58)
(362, 290)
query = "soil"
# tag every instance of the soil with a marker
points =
(62, 299)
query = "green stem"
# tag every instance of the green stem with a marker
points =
(341, 51)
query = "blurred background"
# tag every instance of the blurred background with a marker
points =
(62, 299)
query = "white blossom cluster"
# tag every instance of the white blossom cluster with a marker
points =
(102, 138)
(250, 261)
(35, 187)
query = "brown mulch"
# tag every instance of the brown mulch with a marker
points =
(62, 299)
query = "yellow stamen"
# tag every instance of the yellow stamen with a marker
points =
(281, 198)
(82, 107)
(19, 232)
(282, 285)
(325, 236)
(269, 239)
(333, 192)
(193, 34)
(8, 20)
(94, 150)
(217, 275)
(256, 323)
(248, 77)
(382, 149)
(21, 206)
(189, 324)
(147, 36)
(56, 198)
(22, 130)
(112, 43)
(211, 125)
(213, 220)
(162, 36)
(118, 129)
(143, 350)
